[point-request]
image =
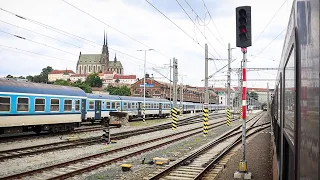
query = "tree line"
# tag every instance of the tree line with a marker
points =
(93, 80)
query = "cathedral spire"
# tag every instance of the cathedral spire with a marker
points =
(115, 57)
(104, 37)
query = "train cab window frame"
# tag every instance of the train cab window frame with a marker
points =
(20, 104)
(5, 104)
(113, 105)
(91, 104)
(54, 105)
(77, 105)
(38, 104)
(67, 107)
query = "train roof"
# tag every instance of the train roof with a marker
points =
(13, 86)
(103, 96)
(130, 98)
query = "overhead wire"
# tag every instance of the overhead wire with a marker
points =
(174, 24)
(17, 49)
(197, 27)
(268, 45)
(213, 22)
(79, 38)
(204, 22)
(39, 34)
(112, 27)
(270, 21)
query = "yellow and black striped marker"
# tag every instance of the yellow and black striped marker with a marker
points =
(205, 121)
(181, 111)
(144, 112)
(228, 117)
(174, 113)
(240, 116)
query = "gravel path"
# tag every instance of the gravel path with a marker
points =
(44, 159)
(258, 155)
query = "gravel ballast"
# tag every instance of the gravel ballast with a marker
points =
(44, 159)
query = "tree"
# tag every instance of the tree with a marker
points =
(21, 77)
(62, 82)
(9, 76)
(94, 80)
(121, 91)
(30, 78)
(44, 74)
(85, 87)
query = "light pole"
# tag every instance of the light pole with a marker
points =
(144, 81)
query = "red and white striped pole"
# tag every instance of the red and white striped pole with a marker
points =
(244, 84)
(243, 162)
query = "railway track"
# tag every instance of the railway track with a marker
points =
(88, 163)
(201, 161)
(13, 153)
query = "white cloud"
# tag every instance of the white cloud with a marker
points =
(139, 20)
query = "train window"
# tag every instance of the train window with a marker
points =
(67, 105)
(117, 105)
(4, 104)
(77, 105)
(23, 104)
(289, 96)
(129, 105)
(113, 105)
(125, 106)
(39, 104)
(108, 105)
(133, 105)
(91, 105)
(54, 104)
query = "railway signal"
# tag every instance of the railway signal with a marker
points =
(243, 26)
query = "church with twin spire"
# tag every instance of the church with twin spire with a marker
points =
(99, 63)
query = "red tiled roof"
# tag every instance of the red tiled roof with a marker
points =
(79, 75)
(55, 71)
(117, 76)
(107, 72)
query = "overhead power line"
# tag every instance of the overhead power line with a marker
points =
(213, 22)
(39, 34)
(270, 21)
(204, 23)
(175, 24)
(73, 36)
(39, 54)
(197, 28)
(268, 44)
(112, 27)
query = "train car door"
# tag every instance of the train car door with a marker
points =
(160, 109)
(97, 112)
(139, 109)
(83, 109)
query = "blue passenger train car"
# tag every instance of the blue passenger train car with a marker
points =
(26, 106)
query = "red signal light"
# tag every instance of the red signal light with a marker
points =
(244, 30)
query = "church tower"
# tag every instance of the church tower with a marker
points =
(105, 53)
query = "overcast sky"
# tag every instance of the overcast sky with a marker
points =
(135, 24)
